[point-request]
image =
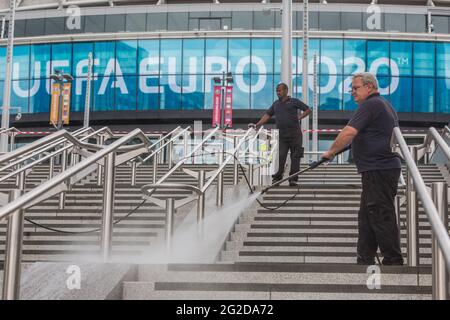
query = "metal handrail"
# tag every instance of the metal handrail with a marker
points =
(46, 157)
(167, 142)
(182, 161)
(229, 158)
(439, 230)
(9, 208)
(39, 146)
(433, 135)
(13, 130)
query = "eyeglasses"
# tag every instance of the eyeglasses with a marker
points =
(355, 88)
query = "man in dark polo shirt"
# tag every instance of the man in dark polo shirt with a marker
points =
(369, 132)
(287, 118)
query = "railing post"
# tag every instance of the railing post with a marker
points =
(250, 173)
(155, 167)
(185, 143)
(51, 168)
(219, 196)
(13, 251)
(170, 211)
(62, 195)
(133, 173)
(236, 163)
(108, 206)
(101, 140)
(200, 203)
(169, 154)
(412, 219)
(12, 141)
(439, 272)
(160, 155)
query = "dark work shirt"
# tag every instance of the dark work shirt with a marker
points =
(286, 115)
(375, 120)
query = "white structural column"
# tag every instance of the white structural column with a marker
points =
(305, 121)
(286, 47)
(7, 88)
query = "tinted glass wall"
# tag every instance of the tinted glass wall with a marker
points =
(177, 74)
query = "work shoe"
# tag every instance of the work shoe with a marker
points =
(275, 180)
(292, 183)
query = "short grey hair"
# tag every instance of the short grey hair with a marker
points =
(367, 78)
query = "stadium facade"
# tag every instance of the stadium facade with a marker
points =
(154, 64)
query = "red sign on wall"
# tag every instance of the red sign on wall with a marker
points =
(228, 113)
(216, 106)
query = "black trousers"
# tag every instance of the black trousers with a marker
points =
(289, 142)
(377, 222)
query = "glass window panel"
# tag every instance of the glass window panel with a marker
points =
(193, 56)
(299, 88)
(2, 83)
(443, 95)
(35, 27)
(401, 55)
(424, 62)
(126, 93)
(385, 85)
(263, 50)
(170, 92)
(263, 20)
(330, 21)
(115, 23)
(242, 20)
(378, 57)
(313, 47)
(193, 24)
(354, 56)
(262, 91)
(80, 58)
(94, 23)
(40, 55)
(62, 57)
(126, 52)
(416, 23)
(19, 28)
(443, 60)
(221, 14)
(54, 25)
(2, 62)
(331, 53)
(313, 20)
(148, 99)
(423, 95)
(19, 95)
(79, 95)
(199, 14)
(216, 49)
(238, 50)
(148, 54)
(171, 56)
(193, 92)
(373, 21)
(21, 62)
(226, 23)
(178, 21)
(395, 22)
(209, 24)
(401, 97)
(156, 21)
(241, 91)
(441, 24)
(103, 94)
(136, 22)
(39, 99)
(351, 21)
(105, 53)
(330, 93)
(278, 20)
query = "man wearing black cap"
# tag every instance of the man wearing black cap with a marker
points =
(287, 118)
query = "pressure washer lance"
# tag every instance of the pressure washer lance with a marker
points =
(312, 166)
